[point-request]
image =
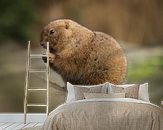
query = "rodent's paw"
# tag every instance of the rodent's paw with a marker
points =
(44, 58)
(51, 58)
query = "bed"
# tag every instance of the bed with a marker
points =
(96, 113)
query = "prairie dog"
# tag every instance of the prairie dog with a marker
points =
(82, 56)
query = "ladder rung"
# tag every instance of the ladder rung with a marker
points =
(37, 70)
(36, 89)
(37, 55)
(36, 105)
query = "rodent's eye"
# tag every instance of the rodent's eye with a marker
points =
(51, 31)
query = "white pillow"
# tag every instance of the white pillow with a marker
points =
(143, 90)
(71, 92)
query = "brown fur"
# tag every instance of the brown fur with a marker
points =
(82, 56)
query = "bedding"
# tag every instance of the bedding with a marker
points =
(105, 114)
(101, 95)
(142, 92)
(76, 92)
(130, 92)
(79, 91)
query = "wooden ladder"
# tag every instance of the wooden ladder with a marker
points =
(30, 70)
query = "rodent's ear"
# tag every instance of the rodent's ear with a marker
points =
(67, 25)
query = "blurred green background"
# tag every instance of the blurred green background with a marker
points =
(136, 24)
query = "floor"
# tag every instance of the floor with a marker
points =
(17, 126)
(14, 121)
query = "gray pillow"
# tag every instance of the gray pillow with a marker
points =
(80, 90)
(130, 92)
(103, 95)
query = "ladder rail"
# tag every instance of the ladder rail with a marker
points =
(48, 75)
(26, 81)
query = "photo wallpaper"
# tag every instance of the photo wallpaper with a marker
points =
(91, 42)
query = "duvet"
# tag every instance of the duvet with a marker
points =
(105, 114)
